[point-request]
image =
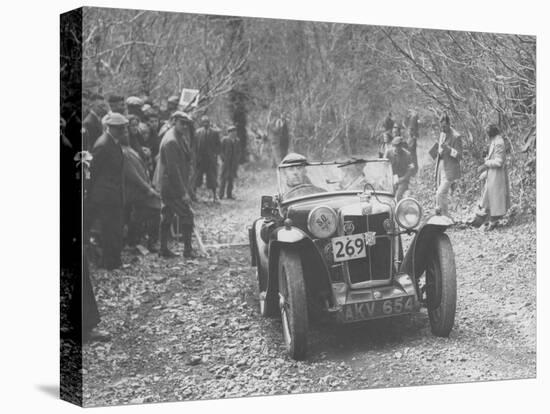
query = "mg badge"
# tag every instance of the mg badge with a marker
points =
(370, 238)
(377, 294)
(348, 227)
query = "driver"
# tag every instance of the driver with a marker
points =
(297, 182)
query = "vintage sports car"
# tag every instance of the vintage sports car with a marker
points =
(330, 242)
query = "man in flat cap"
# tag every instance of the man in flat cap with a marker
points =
(208, 148)
(105, 199)
(134, 102)
(230, 155)
(91, 126)
(402, 166)
(116, 103)
(294, 172)
(173, 180)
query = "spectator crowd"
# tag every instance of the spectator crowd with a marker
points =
(145, 168)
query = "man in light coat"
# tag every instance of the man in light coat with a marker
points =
(495, 198)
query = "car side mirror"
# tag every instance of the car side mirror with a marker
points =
(269, 207)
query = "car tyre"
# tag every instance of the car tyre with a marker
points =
(293, 304)
(441, 286)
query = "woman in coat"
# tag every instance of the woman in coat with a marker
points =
(495, 198)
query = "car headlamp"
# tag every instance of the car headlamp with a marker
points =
(408, 213)
(322, 222)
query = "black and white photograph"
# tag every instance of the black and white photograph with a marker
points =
(260, 206)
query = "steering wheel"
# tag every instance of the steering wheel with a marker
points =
(301, 187)
(298, 187)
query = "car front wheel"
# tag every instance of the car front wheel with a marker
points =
(441, 286)
(293, 304)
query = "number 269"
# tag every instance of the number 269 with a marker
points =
(351, 247)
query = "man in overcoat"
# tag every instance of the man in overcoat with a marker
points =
(230, 155)
(495, 199)
(449, 154)
(173, 181)
(105, 199)
(208, 149)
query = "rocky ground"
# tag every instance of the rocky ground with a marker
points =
(190, 329)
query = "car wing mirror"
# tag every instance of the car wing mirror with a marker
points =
(269, 207)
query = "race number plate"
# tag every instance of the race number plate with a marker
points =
(352, 247)
(377, 309)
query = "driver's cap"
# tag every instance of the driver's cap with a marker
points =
(293, 158)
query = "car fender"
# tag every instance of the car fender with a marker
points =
(415, 260)
(257, 245)
(305, 246)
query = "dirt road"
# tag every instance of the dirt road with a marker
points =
(190, 329)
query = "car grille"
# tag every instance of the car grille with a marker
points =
(377, 264)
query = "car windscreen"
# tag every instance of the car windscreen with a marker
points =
(304, 180)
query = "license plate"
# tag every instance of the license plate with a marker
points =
(377, 309)
(353, 246)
